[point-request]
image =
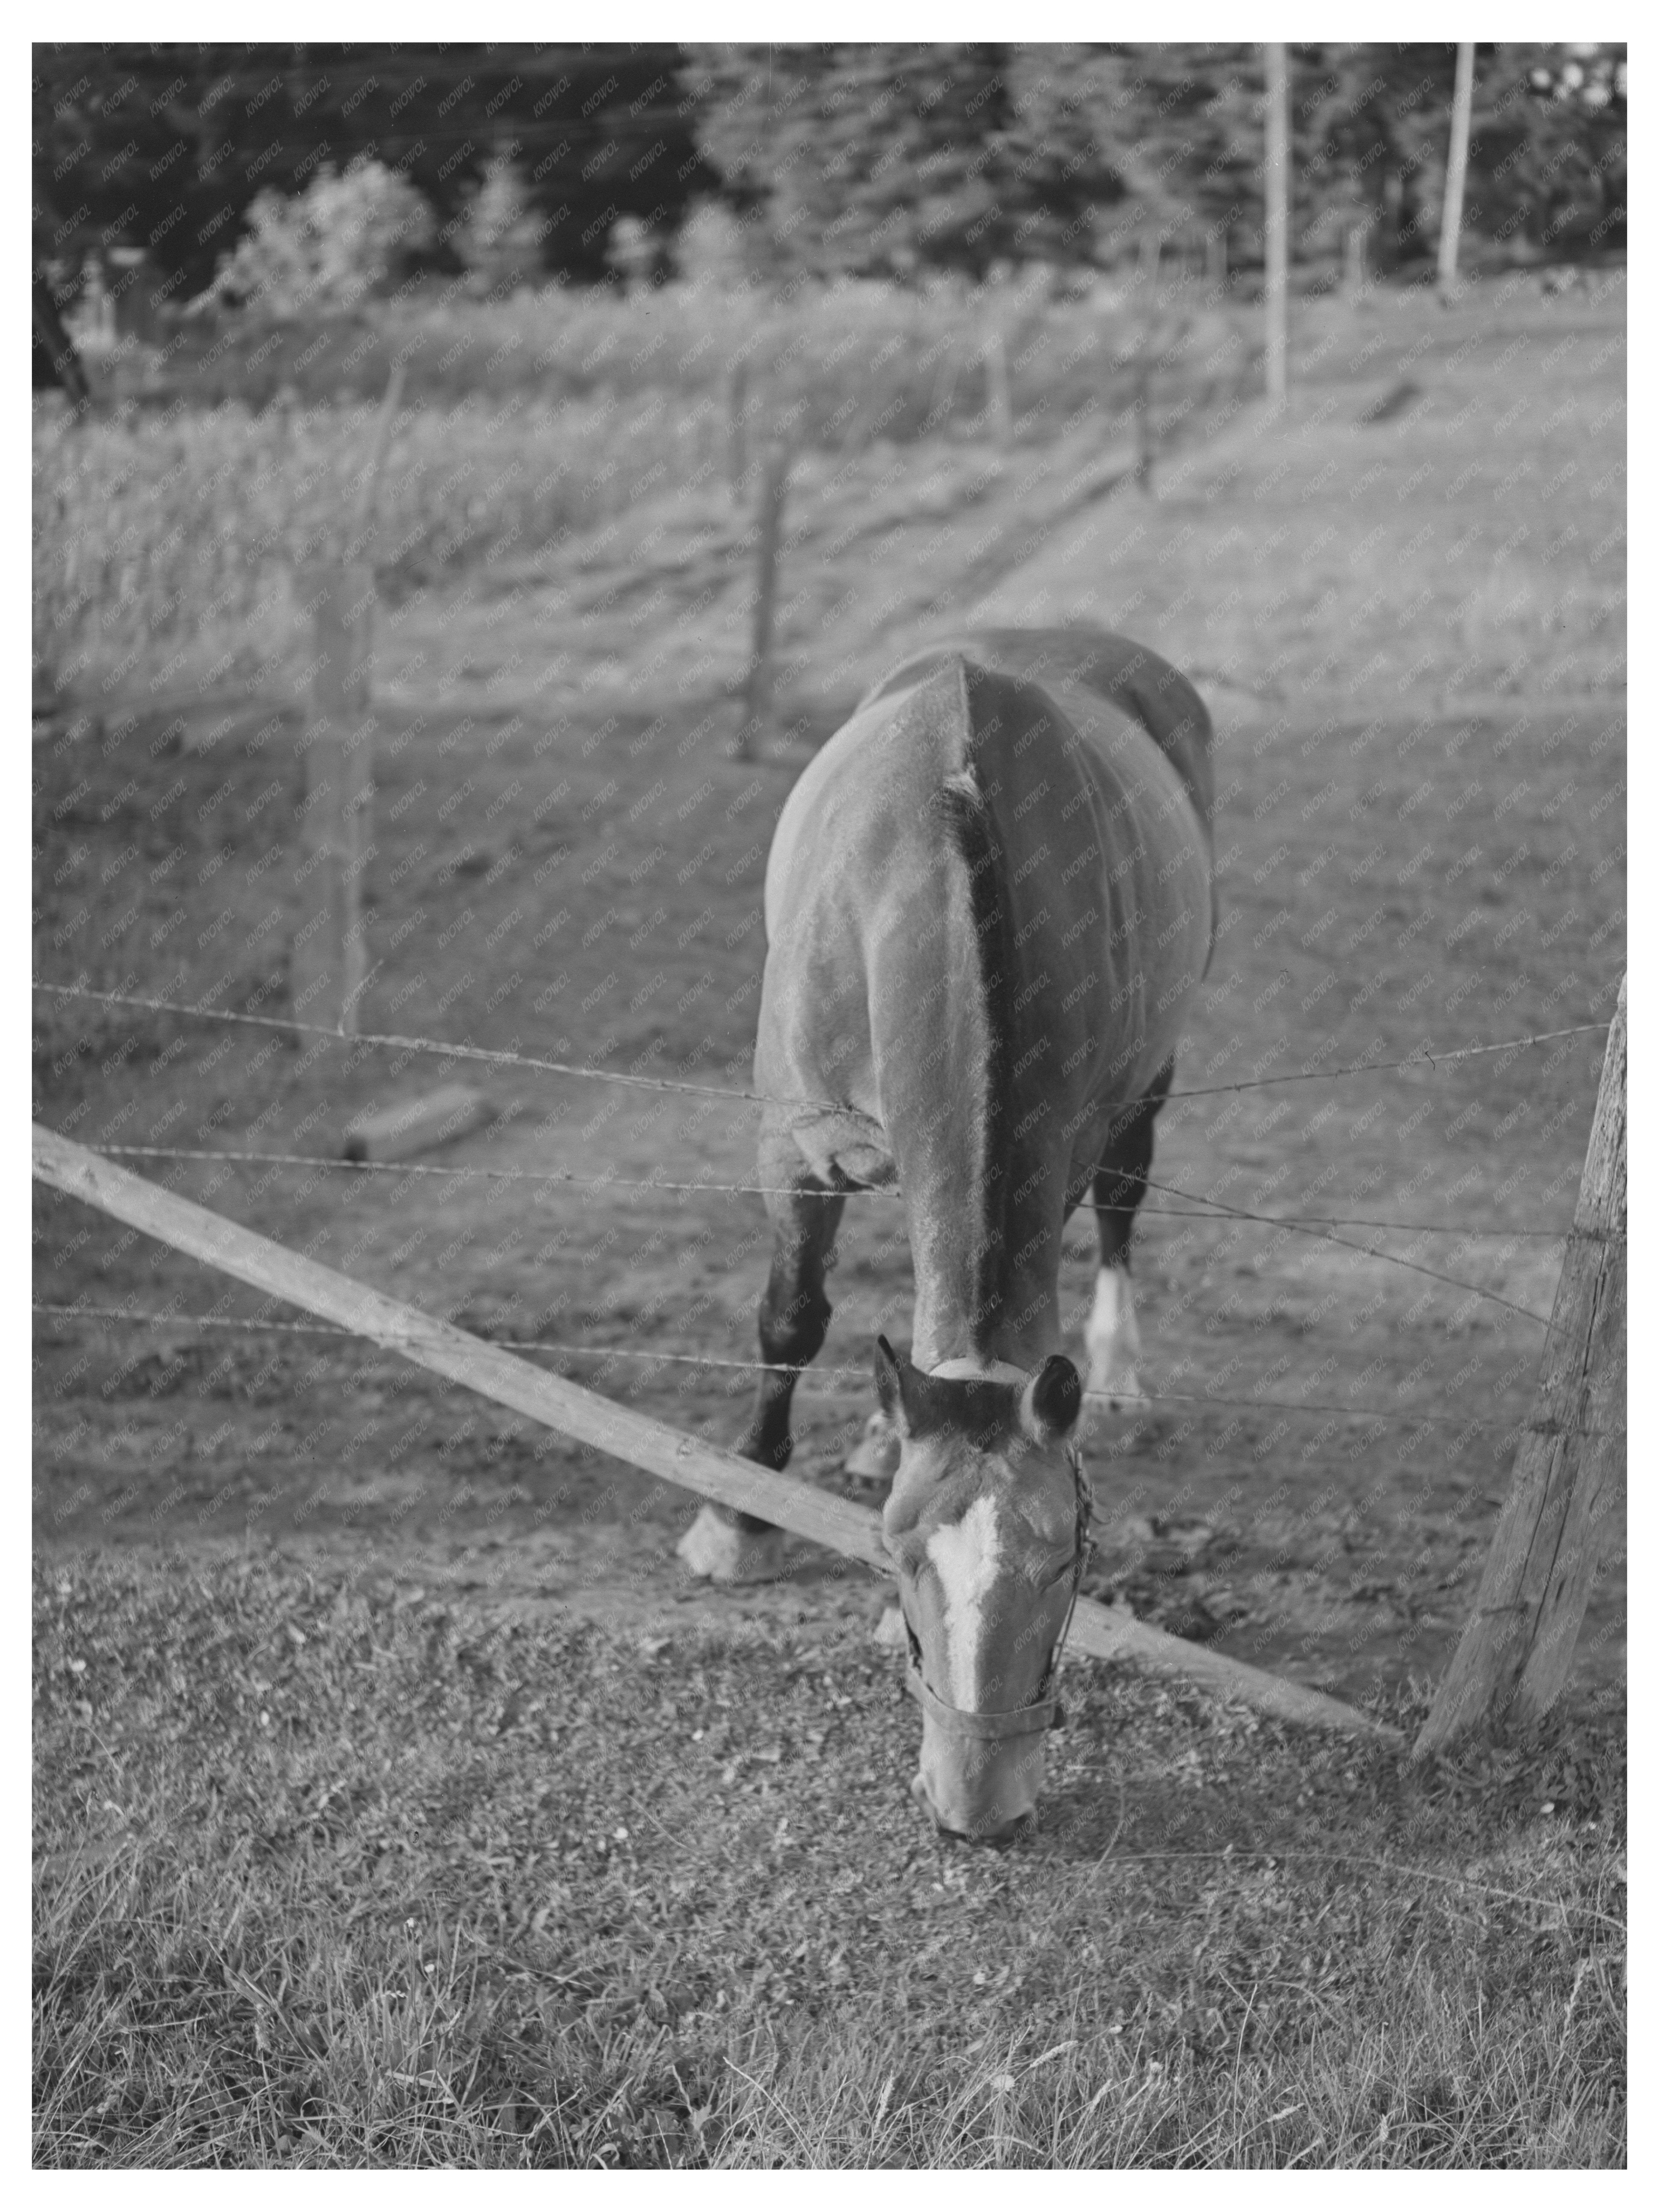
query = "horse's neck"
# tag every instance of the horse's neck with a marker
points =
(1007, 1310)
(983, 1231)
(1017, 1323)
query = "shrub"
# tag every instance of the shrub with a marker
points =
(342, 239)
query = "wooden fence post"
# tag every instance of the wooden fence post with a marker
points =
(1457, 162)
(1146, 436)
(330, 963)
(944, 383)
(1353, 259)
(737, 427)
(757, 688)
(1569, 1466)
(998, 387)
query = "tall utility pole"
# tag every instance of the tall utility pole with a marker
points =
(1276, 193)
(1457, 163)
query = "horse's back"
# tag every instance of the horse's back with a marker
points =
(1090, 757)
(1087, 670)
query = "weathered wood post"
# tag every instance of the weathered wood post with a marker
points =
(736, 431)
(329, 964)
(1457, 163)
(999, 386)
(1570, 1467)
(1146, 439)
(944, 383)
(757, 688)
(1353, 259)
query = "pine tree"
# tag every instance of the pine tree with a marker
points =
(880, 160)
(498, 236)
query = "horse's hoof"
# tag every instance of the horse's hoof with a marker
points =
(875, 1457)
(714, 1548)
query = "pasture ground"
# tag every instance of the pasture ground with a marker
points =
(1422, 841)
(327, 1878)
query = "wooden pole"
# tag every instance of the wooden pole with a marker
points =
(999, 386)
(1353, 260)
(650, 1445)
(364, 519)
(757, 688)
(1570, 1467)
(1457, 162)
(944, 383)
(329, 964)
(737, 416)
(1146, 445)
(1276, 193)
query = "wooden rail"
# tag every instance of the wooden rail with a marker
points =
(648, 1444)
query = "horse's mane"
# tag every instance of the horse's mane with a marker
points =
(970, 825)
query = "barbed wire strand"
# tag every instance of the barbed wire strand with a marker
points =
(1395, 1259)
(1421, 1058)
(433, 1046)
(1428, 1418)
(558, 1175)
(565, 1177)
(1224, 1212)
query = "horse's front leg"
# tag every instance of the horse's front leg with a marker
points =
(721, 1543)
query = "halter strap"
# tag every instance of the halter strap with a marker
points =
(1045, 1711)
(984, 1727)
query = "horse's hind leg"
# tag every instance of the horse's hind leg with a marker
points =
(1111, 1333)
(730, 1546)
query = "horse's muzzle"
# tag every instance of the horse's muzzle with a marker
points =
(995, 1828)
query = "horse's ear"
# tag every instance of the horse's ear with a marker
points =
(889, 1384)
(1051, 1401)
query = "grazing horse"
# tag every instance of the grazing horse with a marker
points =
(989, 902)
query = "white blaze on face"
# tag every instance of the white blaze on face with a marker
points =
(965, 1558)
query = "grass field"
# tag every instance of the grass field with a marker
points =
(325, 1879)
(1405, 602)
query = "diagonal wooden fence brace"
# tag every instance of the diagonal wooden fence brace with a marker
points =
(1568, 1466)
(650, 1445)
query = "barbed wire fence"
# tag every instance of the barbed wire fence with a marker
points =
(1203, 1207)
(1475, 1680)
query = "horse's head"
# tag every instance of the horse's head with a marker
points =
(986, 1523)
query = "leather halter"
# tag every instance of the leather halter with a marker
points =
(1045, 1711)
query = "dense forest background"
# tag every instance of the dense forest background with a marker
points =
(164, 168)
